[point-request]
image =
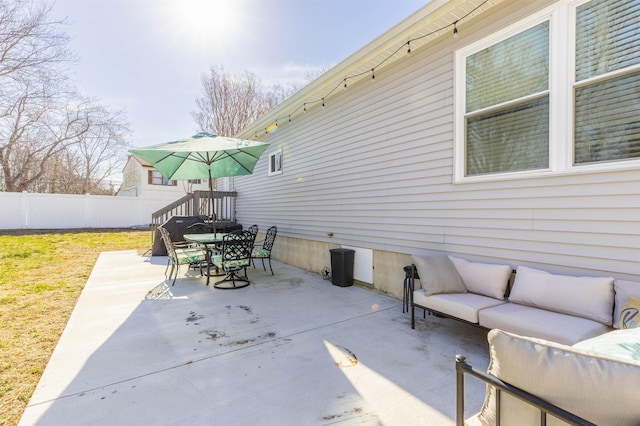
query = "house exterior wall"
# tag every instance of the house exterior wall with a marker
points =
(135, 183)
(375, 170)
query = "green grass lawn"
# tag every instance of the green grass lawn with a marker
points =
(42, 274)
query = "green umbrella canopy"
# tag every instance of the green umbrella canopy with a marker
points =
(203, 156)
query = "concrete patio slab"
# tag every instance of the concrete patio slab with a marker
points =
(290, 349)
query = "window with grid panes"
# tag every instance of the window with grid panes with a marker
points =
(575, 64)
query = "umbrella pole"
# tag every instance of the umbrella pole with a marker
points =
(212, 214)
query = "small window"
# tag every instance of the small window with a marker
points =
(156, 178)
(195, 181)
(275, 163)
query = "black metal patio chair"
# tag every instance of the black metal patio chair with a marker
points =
(180, 255)
(265, 251)
(234, 258)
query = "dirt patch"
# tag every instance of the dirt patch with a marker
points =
(194, 317)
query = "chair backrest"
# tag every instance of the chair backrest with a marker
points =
(270, 238)
(166, 238)
(254, 231)
(237, 247)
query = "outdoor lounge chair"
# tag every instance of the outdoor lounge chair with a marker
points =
(180, 255)
(267, 245)
(234, 257)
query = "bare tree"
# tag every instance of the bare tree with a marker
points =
(229, 103)
(30, 43)
(85, 165)
(50, 136)
(38, 128)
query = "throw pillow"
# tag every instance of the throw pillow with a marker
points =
(623, 290)
(586, 297)
(630, 314)
(483, 278)
(438, 275)
(624, 344)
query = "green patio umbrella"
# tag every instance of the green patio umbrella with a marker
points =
(203, 156)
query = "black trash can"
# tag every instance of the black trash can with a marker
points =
(342, 267)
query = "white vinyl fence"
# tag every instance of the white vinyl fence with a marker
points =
(59, 211)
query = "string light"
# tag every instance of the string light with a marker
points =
(343, 82)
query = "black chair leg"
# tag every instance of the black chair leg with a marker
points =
(177, 269)
(270, 265)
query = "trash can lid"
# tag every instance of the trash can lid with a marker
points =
(341, 250)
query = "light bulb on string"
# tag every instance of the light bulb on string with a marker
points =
(345, 83)
(409, 47)
(455, 29)
(305, 107)
(322, 102)
(373, 73)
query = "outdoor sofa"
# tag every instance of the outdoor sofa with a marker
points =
(558, 344)
(560, 308)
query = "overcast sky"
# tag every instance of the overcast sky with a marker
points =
(147, 56)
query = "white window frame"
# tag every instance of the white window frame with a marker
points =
(562, 25)
(274, 167)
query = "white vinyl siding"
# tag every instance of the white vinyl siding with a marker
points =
(376, 169)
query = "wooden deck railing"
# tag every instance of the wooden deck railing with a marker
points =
(220, 205)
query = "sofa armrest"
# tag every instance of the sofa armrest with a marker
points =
(590, 385)
(543, 406)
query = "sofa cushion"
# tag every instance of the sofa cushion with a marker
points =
(438, 275)
(623, 344)
(460, 305)
(483, 278)
(587, 297)
(623, 290)
(541, 323)
(630, 314)
(600, 389)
